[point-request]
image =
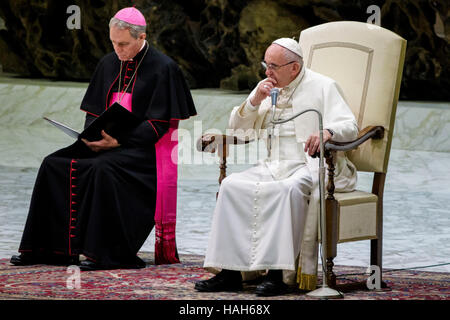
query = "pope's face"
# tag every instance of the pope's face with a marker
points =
(279, 69)
(125, 46)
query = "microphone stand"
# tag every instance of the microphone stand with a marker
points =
(325, 292)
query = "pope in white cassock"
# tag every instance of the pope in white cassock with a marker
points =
(266, 218)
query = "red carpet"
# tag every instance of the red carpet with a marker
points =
(176, 282)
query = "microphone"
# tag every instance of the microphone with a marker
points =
(274, 95)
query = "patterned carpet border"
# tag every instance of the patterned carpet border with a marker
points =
(176, 282)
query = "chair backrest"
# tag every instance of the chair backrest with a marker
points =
(367, 63)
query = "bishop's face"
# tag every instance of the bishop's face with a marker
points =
(125, 46)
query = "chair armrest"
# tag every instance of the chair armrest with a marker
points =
(370, 132)
(210, 142)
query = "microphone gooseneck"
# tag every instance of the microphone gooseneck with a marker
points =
(325, 291)
(274, 95)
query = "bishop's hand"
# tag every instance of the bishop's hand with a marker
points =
(104, 144)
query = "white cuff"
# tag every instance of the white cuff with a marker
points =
(248, 108)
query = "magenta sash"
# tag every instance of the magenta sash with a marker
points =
(166, 196)
(166, 189)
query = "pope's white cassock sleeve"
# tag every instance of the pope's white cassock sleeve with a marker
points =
(261, 213)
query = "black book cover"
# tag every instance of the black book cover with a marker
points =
(116, 121)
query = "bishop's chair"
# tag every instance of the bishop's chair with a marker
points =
(367, 63)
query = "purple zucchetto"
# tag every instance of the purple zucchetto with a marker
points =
(132, 16)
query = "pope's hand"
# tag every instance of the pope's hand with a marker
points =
(312, 145)
(106, 143)
(263, 91)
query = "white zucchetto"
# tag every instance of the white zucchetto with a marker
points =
(290, 44)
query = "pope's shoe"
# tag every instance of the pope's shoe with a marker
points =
(269, 288)
(272, 285)
(226, 280)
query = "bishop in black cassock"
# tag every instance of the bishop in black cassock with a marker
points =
(100, 202)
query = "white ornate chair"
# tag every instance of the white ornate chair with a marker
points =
(367, 63)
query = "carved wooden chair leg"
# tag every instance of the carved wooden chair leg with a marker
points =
(331, 220)
(223, 154)
(331, 276)
(376, 245)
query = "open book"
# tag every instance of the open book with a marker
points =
(69, 131)
(116, 120)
